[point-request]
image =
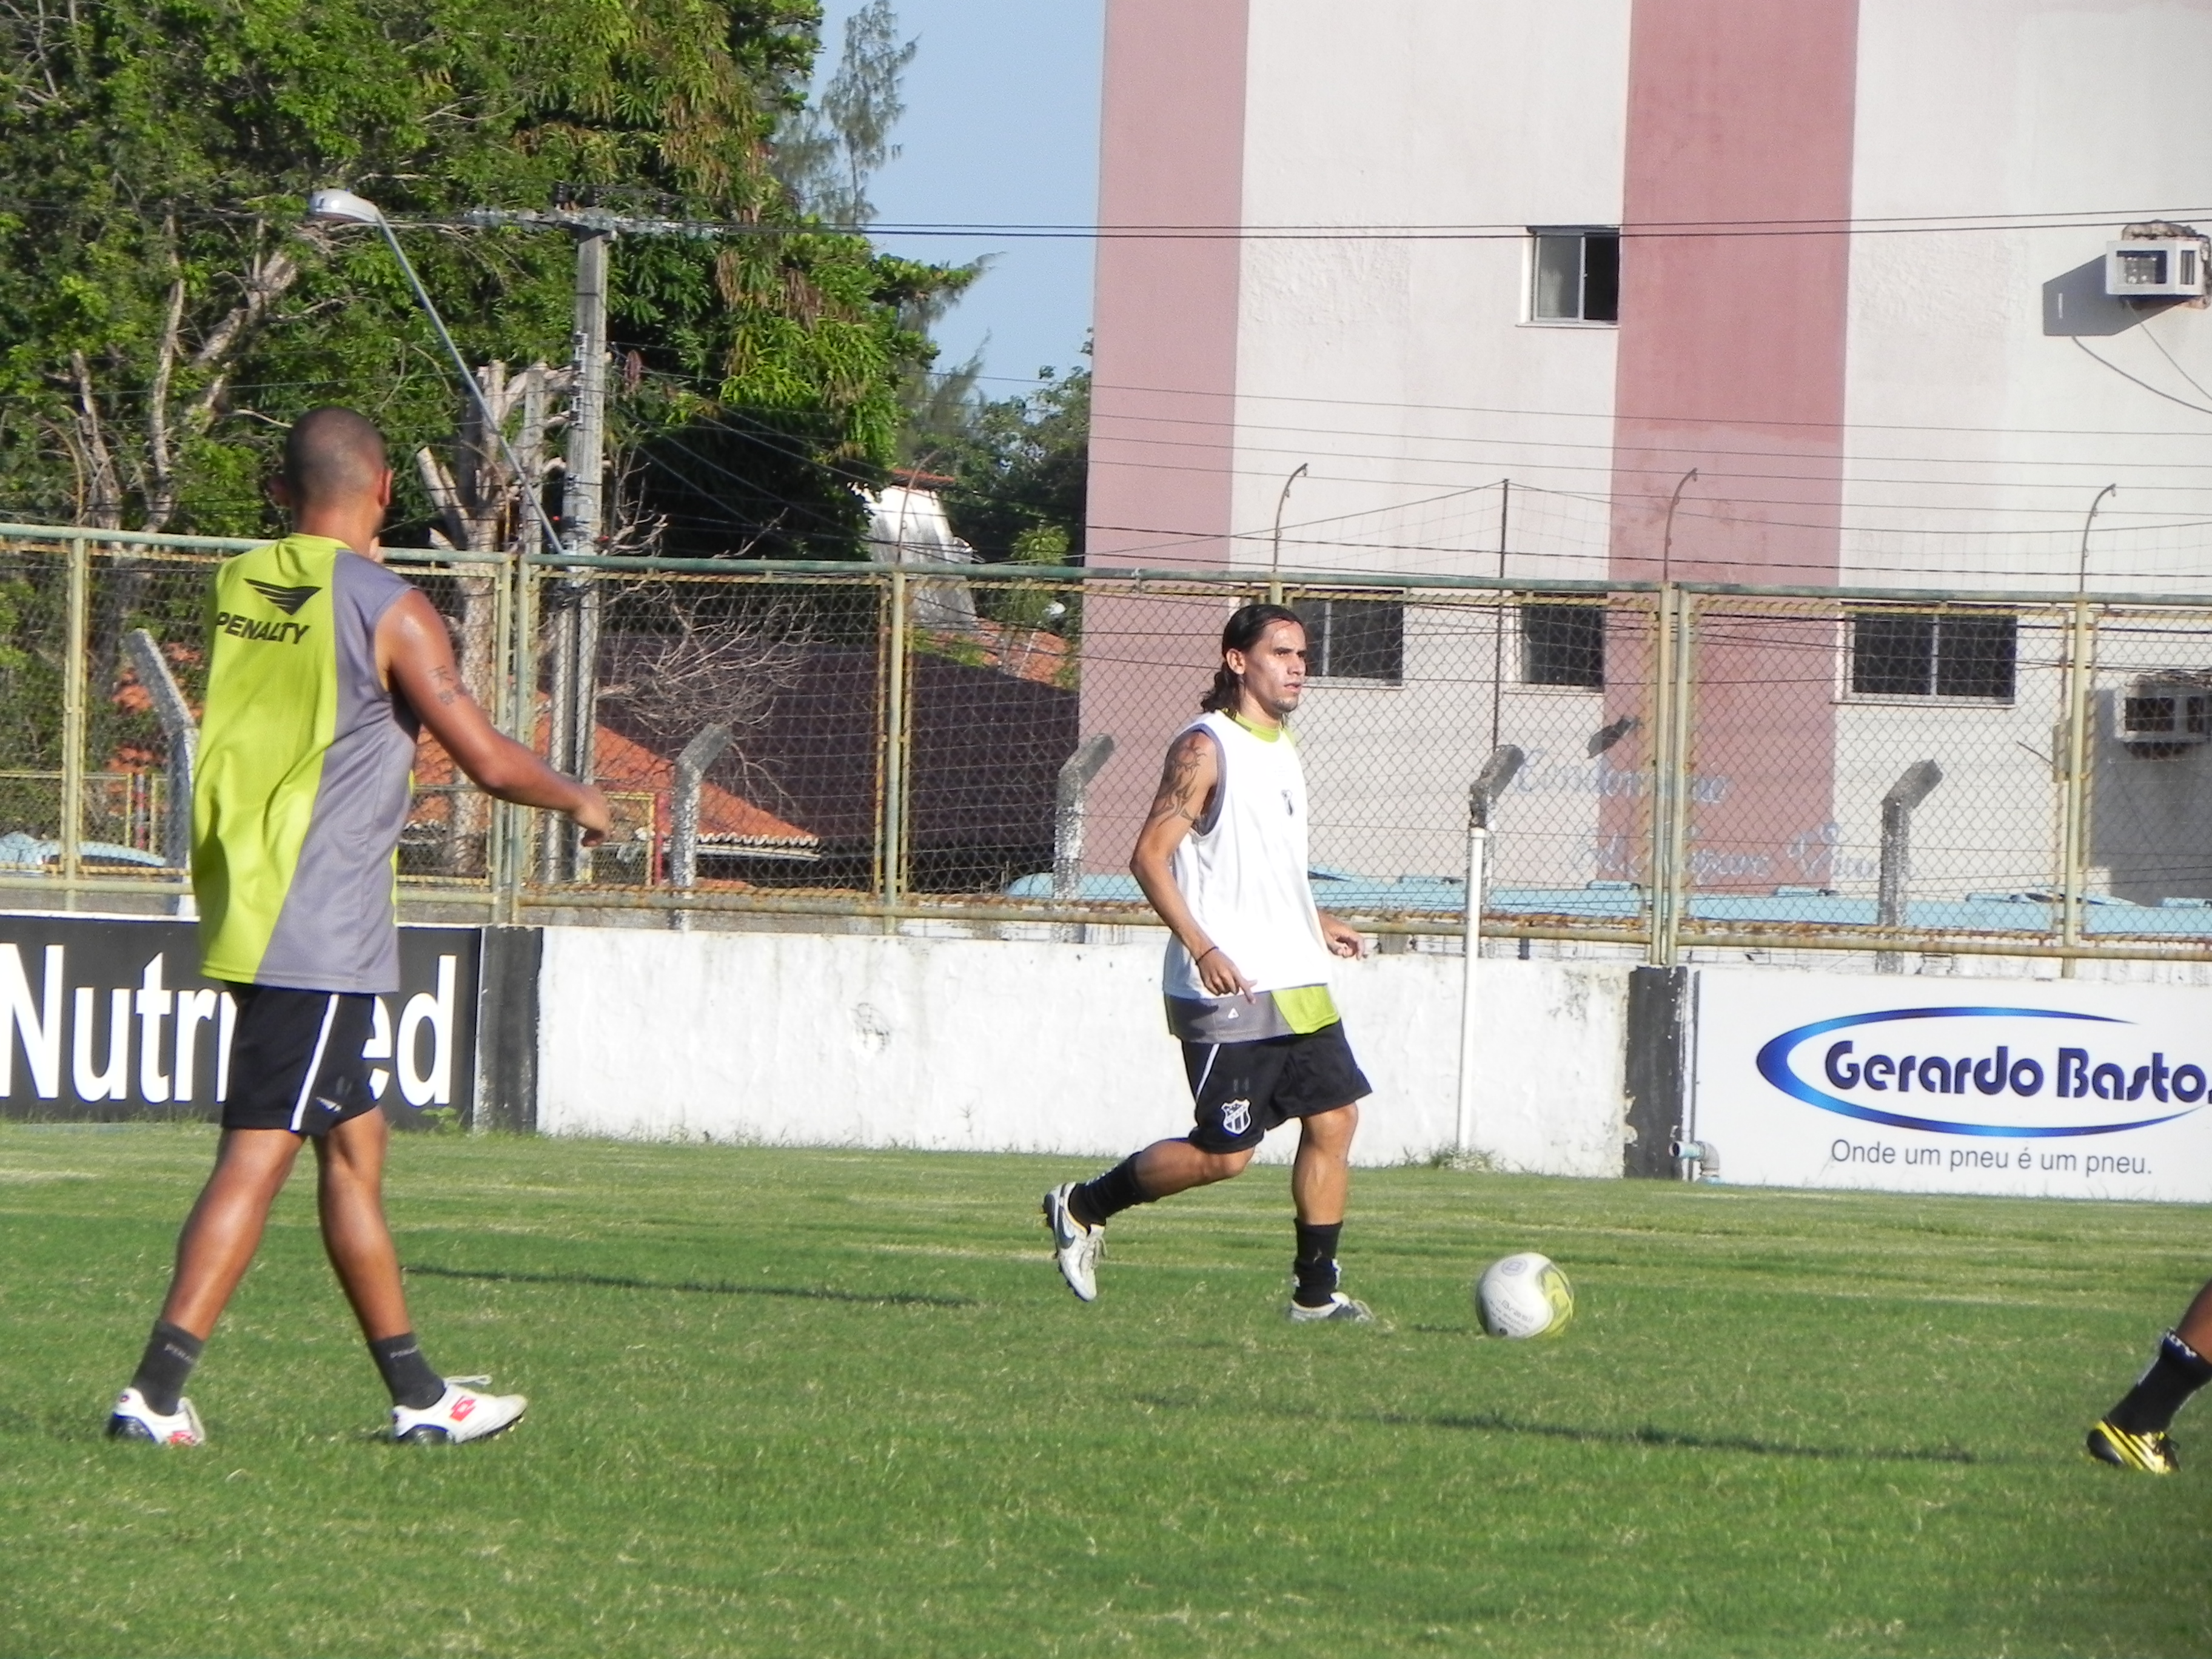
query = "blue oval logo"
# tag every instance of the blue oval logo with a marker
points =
(2072, 1073)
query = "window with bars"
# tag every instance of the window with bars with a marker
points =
(1562, 645)
(1355, 638)
(1574, 275)
(1907, 653)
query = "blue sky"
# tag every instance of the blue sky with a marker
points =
(1001, 127)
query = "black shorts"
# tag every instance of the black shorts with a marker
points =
(295, 1059)
(1242, 1090)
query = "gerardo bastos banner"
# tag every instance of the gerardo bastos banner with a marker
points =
(2037, 1088)
(109, 1017)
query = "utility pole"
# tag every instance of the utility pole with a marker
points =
(575, 712)
(573, 648)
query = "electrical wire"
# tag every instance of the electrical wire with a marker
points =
(2155, 392)
(1908, 224)
(2151, 335)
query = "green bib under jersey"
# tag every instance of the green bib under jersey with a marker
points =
(302, 781)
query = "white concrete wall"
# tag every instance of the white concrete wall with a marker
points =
(809, 1039)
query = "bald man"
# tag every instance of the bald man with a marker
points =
(323, 666)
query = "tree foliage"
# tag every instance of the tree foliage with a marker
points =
(164, 313)
(828, 151)
(1018, 464)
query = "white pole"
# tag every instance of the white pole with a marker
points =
(1478, 842)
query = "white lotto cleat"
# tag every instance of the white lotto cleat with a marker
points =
(1074, 1246)
(462, 1413)
(1339, 1309)
(134, 1420)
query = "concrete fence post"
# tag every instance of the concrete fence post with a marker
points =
(1070, 796)
(1912, 786)
(182, 735)
(692, 765)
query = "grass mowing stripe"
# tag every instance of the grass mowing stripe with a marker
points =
(804, 1402)
(720, 1287)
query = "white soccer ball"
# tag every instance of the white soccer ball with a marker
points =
(1524, 1295)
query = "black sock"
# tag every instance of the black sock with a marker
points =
(2177, 1371)
(1316, 1265)
(1096, 1202)
(406, 1373)
(171, 1353)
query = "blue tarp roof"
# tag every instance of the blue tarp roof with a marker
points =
(1625, 902)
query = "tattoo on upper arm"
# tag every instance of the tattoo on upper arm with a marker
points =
(448, 684)
(1182, 792)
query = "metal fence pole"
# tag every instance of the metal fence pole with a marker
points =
(555, 839)
(524, 820)
(1682, 700)
(1496, 772)
(1659, 873)
(498, 846)
(2074, 838)
(584, 715)
(78, 626)
(891, 855)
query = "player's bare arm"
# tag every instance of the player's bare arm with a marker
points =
(1344, 939)
(1188, 780)
(415, 655)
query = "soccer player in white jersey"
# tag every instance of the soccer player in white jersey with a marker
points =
(1223, 858)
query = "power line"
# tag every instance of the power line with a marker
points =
(2155, 392)
(1886, 225)
(1242, 394)
(1608, 463)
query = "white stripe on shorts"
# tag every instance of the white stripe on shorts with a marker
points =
(314, 1066)
(1205, 1071)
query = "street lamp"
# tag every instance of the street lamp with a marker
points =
(1666, 543)
(343, 207)
(2081, 576)
(1275, 558)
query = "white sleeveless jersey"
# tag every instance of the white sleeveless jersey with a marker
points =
(1242, 868)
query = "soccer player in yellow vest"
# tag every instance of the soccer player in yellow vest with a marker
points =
(323, 666)
(1223, 858)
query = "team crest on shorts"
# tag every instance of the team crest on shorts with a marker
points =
(1237, 1117)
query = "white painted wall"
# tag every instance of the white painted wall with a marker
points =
(1400, 369)
(2047, 107)
(2001, 108)
(806, 1039)
(1401, 372)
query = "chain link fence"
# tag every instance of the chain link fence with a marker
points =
(1685, 770)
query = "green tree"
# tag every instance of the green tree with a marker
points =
(828, 152)
(1020, 465)
(163, 312)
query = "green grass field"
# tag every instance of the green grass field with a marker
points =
(836, 1403)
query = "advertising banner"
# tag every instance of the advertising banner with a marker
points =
(2044, 1088)
(107, 1017)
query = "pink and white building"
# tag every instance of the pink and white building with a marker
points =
(1843, 258)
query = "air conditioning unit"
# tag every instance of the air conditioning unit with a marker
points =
(2168, 268)
(2163, 714)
